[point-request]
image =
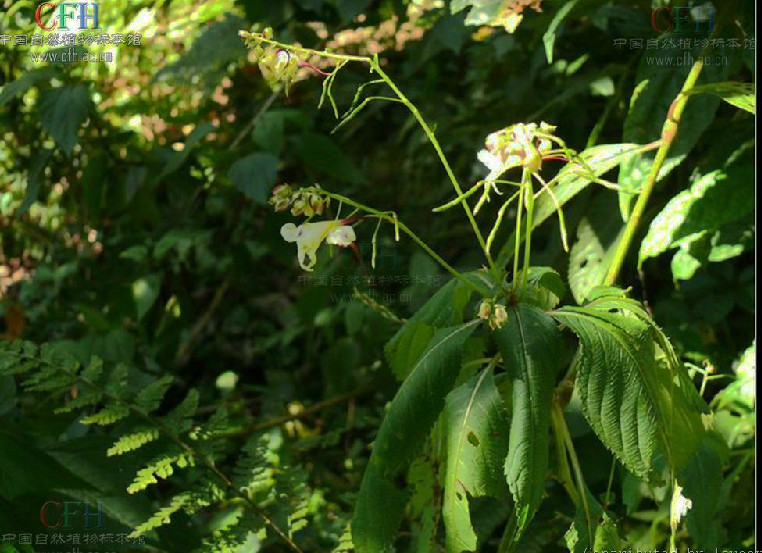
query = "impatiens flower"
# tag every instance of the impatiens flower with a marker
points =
(309, 237)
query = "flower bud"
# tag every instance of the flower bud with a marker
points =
(485, 309)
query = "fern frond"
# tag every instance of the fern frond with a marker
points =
(179, 420)
(84, 399)
(108, 415)
(149, 398)
(133, 441)
(161, 468)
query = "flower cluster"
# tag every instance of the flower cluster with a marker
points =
(309, 236)
(494, 313)
(277, 64)
(302, 201)
(520, 145)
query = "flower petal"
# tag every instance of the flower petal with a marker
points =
(289, 232)
(341, 236)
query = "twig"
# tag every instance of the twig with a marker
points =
(278, 421)
(247, 129)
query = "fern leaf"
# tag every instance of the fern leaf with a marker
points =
(179, 419)
(149, 398)
(108, 415)
(133, 441)
(161, 468)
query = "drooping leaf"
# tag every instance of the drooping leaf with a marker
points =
(530, 344)
(701, 479)
(637, 404)
(63, 110)
(477, 444)
(411, 415)
(26, 81)
(255, 175)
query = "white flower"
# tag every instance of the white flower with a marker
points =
(309, 237)
(680, 506)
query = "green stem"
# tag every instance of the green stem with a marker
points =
(435, 143)
(526, 183)
(404, 228)
(560, 424)
(518, 234)
(668, 134)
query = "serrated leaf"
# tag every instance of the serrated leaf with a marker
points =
(713, 201)
(530, 344)
(636, 404)
(411, 415)
(63, 110)
(477, 444)
(740, 95)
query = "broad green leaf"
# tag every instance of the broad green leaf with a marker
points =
(62, 112)
(638, 405)
(323, 155)
(530, 344)
(145, 290)
(545, 288)
(255, 175)
(701, 479)
(549, 37)
(592, 529)
(26, 81)
(570, 181)
(444, 309)
(477, 422)
(36, 172)
(424, 504)
(598, 236)
(713, 201)
(411, 415)
(740, 95)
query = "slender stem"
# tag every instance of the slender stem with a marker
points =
(517, 243)
(399, 224)
(526, 182)
(668, 134)
(278, 421)
(435, 143)
(560, 421)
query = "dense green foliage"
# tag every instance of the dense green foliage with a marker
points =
(562, 361)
